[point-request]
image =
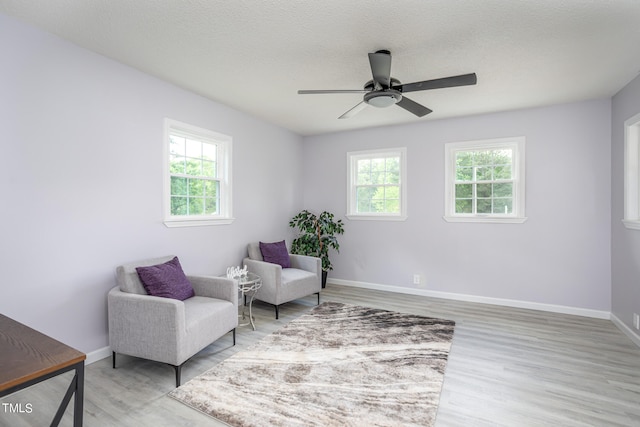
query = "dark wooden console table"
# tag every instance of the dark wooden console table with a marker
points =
(28, 357)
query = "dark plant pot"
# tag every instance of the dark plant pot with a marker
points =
(324, 279)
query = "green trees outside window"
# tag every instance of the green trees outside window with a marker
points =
(484, 182)
(378, 185)
(194, 177)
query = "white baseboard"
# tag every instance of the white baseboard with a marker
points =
(597, 314)
(99, 354)
(626, 329)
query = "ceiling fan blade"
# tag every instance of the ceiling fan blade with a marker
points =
(461, 80)
(355, 110)
(380, 62)
(413, 107)
(311, 92)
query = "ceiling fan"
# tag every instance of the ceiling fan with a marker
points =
(384, 91)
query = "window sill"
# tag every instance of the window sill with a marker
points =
(174, 223)
(377, 217)
(487, 219)
(631, 224)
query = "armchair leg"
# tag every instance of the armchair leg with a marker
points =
(318, 293)
(178, 369)
(277, 311)
(234, 336)
(113, 358)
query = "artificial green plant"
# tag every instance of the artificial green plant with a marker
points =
(316, 235)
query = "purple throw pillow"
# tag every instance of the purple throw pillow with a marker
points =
(166, 280)
(276, 253)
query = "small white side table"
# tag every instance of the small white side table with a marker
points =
(248, 286)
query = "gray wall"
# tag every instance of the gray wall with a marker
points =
(625, 250)
(81, 151)
(559, 256)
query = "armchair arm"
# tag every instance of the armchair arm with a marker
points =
(215, 287)
(271, 273)
(138, 325)
(308, 263)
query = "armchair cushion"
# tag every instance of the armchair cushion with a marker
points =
(275, 253)
(166, 280)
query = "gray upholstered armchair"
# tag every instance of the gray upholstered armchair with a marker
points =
(164, 329)
(281, 285)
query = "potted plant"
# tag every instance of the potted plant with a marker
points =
(316, 235)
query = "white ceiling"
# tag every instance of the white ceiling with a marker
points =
(254, 55)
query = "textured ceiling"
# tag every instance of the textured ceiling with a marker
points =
(254, 55)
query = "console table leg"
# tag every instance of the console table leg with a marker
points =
(77, 387)
(78, 404)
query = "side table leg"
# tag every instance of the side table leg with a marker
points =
(243, 316)
(250, 312)
(243, 292)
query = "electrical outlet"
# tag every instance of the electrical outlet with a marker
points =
(416, 279)
(636, 320)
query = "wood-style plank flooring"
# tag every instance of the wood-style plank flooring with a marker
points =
(507, 367)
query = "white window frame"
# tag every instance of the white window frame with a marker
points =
(224, 145)
(352, 159)
(631, 218)
(517, 144)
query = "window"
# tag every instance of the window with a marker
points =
(632, 173)
(484, 181)
(377, 185)
(197, 176)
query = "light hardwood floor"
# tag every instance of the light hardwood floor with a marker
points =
(507, 367)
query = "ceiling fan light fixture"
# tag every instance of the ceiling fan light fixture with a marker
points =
(383, 99)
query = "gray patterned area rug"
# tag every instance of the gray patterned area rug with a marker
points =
(339, 365)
